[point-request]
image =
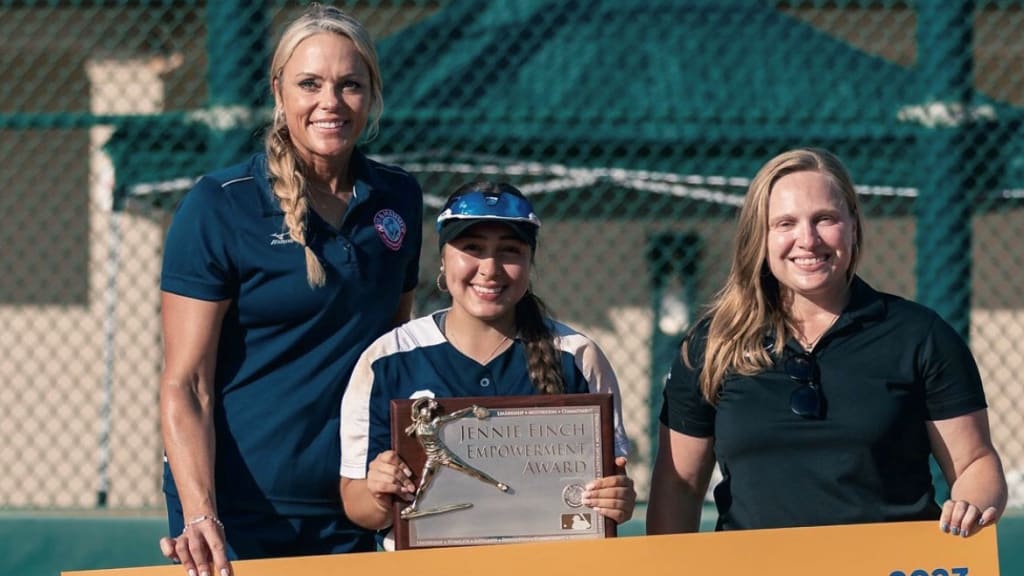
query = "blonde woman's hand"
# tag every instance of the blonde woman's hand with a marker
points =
(962, 518)
(200, 549)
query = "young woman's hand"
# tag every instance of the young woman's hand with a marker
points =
(388, 477)
(612, 496)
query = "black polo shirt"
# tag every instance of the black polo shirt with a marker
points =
(887, 366)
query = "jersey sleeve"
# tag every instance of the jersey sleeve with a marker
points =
(197, 260)
(952, 382)
(365, 413)
(355, 420)
(601, 378)
(684, 408)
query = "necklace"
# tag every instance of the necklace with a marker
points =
(810, 344)
(489, 356)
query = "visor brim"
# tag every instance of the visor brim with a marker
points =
(454, 228)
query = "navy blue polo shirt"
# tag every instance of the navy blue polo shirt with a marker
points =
(416, 360)
(887, 366)
(286, 350)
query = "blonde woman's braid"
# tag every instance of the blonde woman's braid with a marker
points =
(289, 187)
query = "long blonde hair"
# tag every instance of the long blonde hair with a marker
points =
(749, 307)
(283, 165)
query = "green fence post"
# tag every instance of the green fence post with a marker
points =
(237, 55)
(943, 207)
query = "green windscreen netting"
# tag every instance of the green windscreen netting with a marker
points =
(635, 126)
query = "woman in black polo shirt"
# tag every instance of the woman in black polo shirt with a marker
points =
(820, 398)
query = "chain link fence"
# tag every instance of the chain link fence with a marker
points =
(634, 125)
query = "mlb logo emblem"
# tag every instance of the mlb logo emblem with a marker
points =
(390, 228)
(577, 521)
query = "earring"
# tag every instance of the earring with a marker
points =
(441, 284)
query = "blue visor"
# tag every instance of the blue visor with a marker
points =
(476, 205)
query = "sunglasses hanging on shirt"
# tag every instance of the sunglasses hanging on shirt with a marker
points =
(808, 400)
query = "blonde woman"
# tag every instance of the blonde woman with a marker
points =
(820, 398)
(277, 274)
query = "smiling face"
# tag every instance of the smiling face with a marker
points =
(487, 270)
(324, 93)
(811, 235)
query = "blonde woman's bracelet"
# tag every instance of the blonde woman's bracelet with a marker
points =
(204, 518)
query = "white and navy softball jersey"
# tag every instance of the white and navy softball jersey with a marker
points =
(415, 360)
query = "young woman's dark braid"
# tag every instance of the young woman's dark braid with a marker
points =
(542, 359)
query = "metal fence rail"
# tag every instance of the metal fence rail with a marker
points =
(635, 126)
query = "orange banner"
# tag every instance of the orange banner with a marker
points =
(898, 549)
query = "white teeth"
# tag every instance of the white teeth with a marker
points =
(482, 290)
(327, 124)
(809, 261)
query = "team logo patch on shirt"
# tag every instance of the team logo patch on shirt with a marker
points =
(390, 227)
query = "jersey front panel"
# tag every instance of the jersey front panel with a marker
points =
(286, 350)
(886, 368)
(416, 360)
